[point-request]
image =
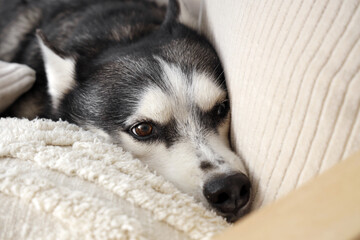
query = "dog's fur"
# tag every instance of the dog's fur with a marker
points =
(112, 64)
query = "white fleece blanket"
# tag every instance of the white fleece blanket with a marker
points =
(58, 181)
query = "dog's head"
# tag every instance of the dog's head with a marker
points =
(164, 99)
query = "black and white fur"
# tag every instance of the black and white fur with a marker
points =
(111, 65)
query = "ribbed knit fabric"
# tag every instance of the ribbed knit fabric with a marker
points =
(15, 79)
(292, 69)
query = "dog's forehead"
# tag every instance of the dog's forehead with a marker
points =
(178, 94)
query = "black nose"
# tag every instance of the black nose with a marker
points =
(228, 193)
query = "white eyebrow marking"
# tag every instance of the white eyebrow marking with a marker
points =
(203, 91)
(154, 105)
(206, 92)
(161, 105)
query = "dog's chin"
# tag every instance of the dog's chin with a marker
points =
(233, 217)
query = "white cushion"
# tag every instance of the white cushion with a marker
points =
(292, 69)
(15, 80)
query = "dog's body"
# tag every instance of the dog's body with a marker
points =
(82, 27)
(131, 71)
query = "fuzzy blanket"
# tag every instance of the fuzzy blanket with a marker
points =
(58, 181)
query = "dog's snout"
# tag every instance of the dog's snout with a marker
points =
(228, 194)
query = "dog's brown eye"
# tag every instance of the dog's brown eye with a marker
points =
(142, 129)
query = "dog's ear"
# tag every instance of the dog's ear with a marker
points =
(59, 69)
(182, 11)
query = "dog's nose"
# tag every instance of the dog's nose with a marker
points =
(228, 193)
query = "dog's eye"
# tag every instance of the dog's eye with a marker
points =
(222, 109)
(142, 129)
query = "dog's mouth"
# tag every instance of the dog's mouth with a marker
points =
(229, 195)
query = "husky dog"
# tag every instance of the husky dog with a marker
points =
(132, 71)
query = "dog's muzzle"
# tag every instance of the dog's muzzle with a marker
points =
(229, 195)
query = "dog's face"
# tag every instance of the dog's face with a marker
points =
(164, 100)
